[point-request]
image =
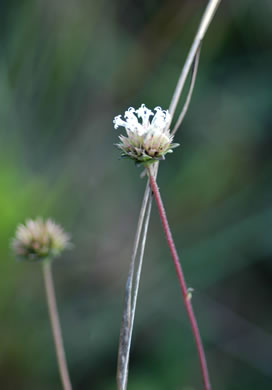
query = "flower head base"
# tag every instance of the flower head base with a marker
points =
(39, 240)
(146, 141)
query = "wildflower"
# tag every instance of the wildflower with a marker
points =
(38, 240)
(146, 141)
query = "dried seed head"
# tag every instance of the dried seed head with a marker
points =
(147, 141)
(38, 240)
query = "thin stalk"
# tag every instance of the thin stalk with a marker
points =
(55, 324)
(131, 291)
(202, 29)
(126, 324)
(189, 95)
(185, 292)
(123, 385)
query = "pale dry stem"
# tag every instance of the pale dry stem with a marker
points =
(55, 324)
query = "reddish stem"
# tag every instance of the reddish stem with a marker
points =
(182, 283)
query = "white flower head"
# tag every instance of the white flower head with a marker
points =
(147, 139)
(38, 240)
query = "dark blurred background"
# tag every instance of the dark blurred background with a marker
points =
(66, 69)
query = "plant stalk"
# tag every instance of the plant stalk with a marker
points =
(55, 324)
(185, 292)
(189, 95)
(127, 324)
(202, 29)
(132, 288)
(128, 316)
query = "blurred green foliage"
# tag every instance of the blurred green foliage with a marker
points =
(66, 69)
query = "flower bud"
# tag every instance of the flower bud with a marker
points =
(39, 240)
